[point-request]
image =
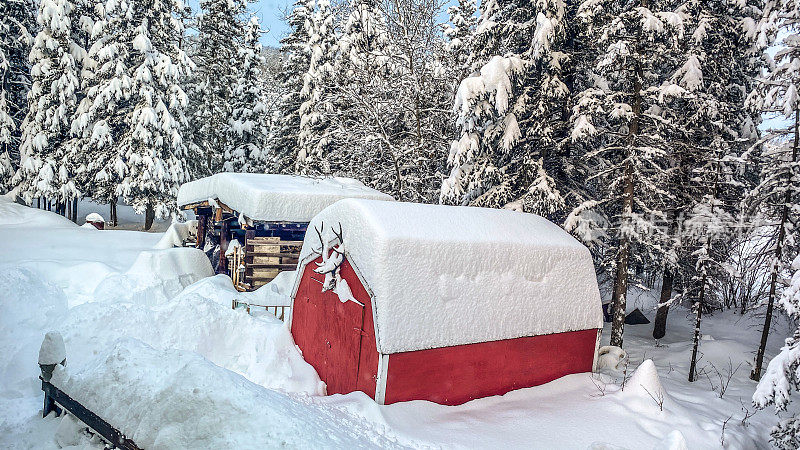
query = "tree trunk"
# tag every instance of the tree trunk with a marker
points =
(619, 298)
(149, 216)
(113, 212)
(660, 323)
(75, 210)
(756, 373)
(696, 338)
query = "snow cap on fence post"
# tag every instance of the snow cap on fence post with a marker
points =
(51, 353)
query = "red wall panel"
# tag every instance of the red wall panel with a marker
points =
(331, 333)
(454, 375)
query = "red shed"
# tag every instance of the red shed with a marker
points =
(442, 303)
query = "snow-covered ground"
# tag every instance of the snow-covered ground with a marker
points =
(159, 352)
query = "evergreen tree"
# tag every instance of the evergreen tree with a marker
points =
(782, 376)
(296, 60)
(719, 66)
(221, 28)
(777, 94)
(623, 116)
(460, 34)
(312, 137)
(248, 128)
(509, 115)
(133, 115)
(47, 164)
(16, 29)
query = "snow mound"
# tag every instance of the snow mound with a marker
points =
(177, 399)
(611, 357)
(272, 197)
(156, 276)
(200, 319)
(448, 275)
(15, 214)
(177, 233)
(646, 385)
(219, 288)
(52, 350)
(673, 441)
(94, 218)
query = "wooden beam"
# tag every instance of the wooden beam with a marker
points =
(202, 222)
(53, 395)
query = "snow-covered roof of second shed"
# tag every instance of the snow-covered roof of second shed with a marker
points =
(447, 275)
(272, 197)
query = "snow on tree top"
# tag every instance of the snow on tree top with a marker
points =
(272, 197)
(453, 275)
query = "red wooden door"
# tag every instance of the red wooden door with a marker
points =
(328, 332)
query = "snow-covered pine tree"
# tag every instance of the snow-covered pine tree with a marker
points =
(460, 34)
(48, 166)
(510, 113)
(777, 95)
(708, 224)
(313, 133)
(623, 119)
(221, 31)
(16, 29)
(782, 376)
(296, 59)
(248, 130)
(718, 69)
(133, 115)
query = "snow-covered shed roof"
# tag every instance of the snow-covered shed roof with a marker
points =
(271, 197)
(447, 275)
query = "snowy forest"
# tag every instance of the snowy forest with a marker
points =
(663, 134)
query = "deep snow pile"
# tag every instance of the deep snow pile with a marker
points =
(79, 260)
(449, 275)
(177, 399)
(275, 197)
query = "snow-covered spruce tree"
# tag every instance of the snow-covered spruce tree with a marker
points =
(719, 66)
(48, 166)
(620, 117)
(782, 375)
(510, 113)
(708, 224)
(221, 32)
(460, 34)
(133, 114)
(313, 133)
(16, 29)
(296, 58)
(777, 94)
(248, 130)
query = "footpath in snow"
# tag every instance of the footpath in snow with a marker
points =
(154, 347)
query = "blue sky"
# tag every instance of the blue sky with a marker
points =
(270, 12)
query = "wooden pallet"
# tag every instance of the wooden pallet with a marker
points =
(266, 257)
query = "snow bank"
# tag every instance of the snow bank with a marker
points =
(177, 399)
(275, 197)
(155, 276)
(15, 214)
(258, 348)
(446, 275)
